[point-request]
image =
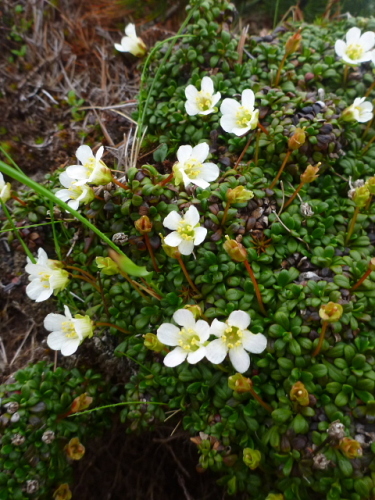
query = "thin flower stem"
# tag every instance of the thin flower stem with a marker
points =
(289, 152)
(85, 279)
(225, 214)
(150, 291)
(370, 89)
(243, 152)
(321, 339)
(120, 184)
(260, 401)
(277, 80)
(17, 233)
(166, 180)
(151, 252)
(19, 201)
(263, 129)
(257, 147)
(256, 287)
(294, 195)
(368, 126)
(352, 225)
(132, 283)
(184, 270)
(111, 325)
(364, 150)
(92, 278)
(361, 280)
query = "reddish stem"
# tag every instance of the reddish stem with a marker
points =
(289, 152)
(256, 287)
(260, 401)
(184, 270)
(120, 184)
(111, 325)
(263, 129)
(292, 198)
(17, 199)
(321, 339)
(243, 152)
(166, 180)
(361, 280)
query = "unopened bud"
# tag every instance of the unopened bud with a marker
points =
(361, 196)
(75, 449)
(300, 394)
(336, 430)
(170, 251)
(62, 493)
(320, 461)
(235, 250)
(195, 309)
(370, 184)
(274, 496)
(153, 343)
(48, 437)
(297, 140)
(82, 402)
(310, 174)
(239, 195)
(371, 264)
(306, 210)
(107, 266)
(350, 448)
(252, 458)
(331, 312)
(293, 43)
(143, 225)
(239, 383)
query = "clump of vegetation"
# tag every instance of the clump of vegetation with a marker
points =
(235, 265)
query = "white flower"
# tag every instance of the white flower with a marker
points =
(67, 332)
(234, 337)
(93, 170)
(46, 277)
(191, 169)
(189, 340)
(239, 118)
(357, 48)
(201, 102)
(4, 189)
(131, 42)
(75, 194)
(186, 230)
(360, 111)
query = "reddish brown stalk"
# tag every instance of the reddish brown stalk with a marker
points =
(257, 147)
(260, 400)
(92, 278)
(150, 291)
(280, 70)
(352, 225)
(289, 152)
(17, 199)
(120, 184)
(263, 129)
(184, 270)
(111, 325)
(85, 279)
(256, 287)
(166, 180)
(151, 252)
(243, 152)
(132, 283)
(321, 339)
(361, 280)
(368, 145)
(370, 89)
(225, 214)
(294, 195)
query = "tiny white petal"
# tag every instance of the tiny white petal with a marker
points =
(207, 85)
(210, 172)
(184, 317)
(203, 330)
(130, 30)
(353, 35)
(173, 239)
(186, 247)
(175, 357)
(52, 322)
(192, 216)
(200, 152)
(172, 220)
(248, 99)
(196, 356)
(36, 291)
(84, 154)
(367, 40)
(77, 172)
(70, 346)
(200, 235)
(191, 92)
(229, 106)
(340, 47)
(240, 359)
(240, 319)
(255, 343)
(216, 351)
(184, 153)
(218, 328)
(55, 340)
(168, 334)
(191, 108)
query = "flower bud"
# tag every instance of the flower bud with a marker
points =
(370, 184)
(80, 403)
(75, 449)
(300, 394)
(371, 264)
(350, 448)
(239, 383)
(235, 250)
(195, 309)
(153, 343)
(331, 312)
(170, 251)
(239, 195)
(274, 496)
(62, 493)
(251, 458)
(48, 437)
(297, 139)
(336, 430)
(309, 175)
(361, 196)
(107, 266)
(293, 43)
(143, 225)
(320, 461)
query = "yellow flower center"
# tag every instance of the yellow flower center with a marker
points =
(44, 278)
(232, 337)
(204, 101)
(243, 116)
(186, 231)
(189, 340)
(193, 168)
(354, 51)
(68, 329)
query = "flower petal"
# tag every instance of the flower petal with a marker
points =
(186, 247)
(99, 153)
(64, 194)
(192, 216)
(198, 182)
(216, 351)
(184, 153)
(196, 356)
(37, 291)
(228, 123)
(53, 322)
(77, 172)
(65, 180)
(191, 108)
(240, 359)
(168, 334)
(229, 106)
(203, 330)
(240, 319)
(255, 343)
(365, 117)
(172, 220)
(184, 318)
(42, 257)
(340, 47)
(218, 328)
(84, 154)
(353, 35)
(216, 98)
(210, 172)
(240, 131)
(200, 152)
(74, 204)
(173, 239)
(130, 30)
(200, 235)
(175, 357)
(70, 346)
(55, 340)
(367, 40)
(191, 92)
(207, 85)
(248, 99)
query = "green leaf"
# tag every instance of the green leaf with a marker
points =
(345, 465)
(281, 415)
(300, 425)
(318, 370)
(161, 153)
(283, 278)
(281, 317)
(341, 399)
